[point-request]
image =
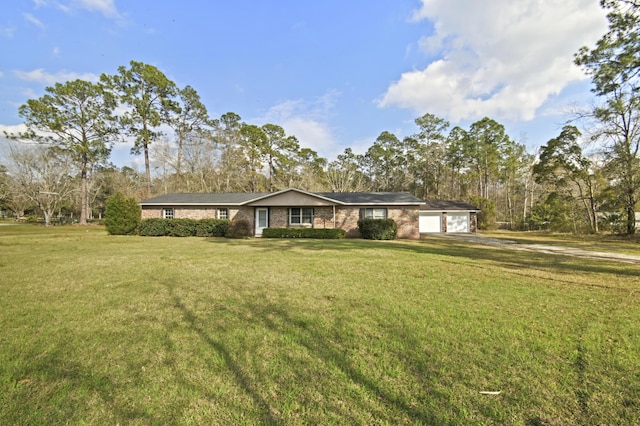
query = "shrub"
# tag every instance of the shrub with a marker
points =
(378, 229)
(319, 233)
(153, 227)
(212, 227)
(122, 215)
(181, 227)
(240, 228)
(486, 219)
(184, 227)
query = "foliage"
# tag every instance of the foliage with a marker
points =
(40, 178)
(436, 162)
(183, 227)
(565, 169)
(153, 227)
(487, 215)
(554, 213)
(180, 227)
(614, 66)
(318, 233)
(148, 95)
(212, 227)
(378, 229)
(76, 118)
(240, 228)
(122, 215)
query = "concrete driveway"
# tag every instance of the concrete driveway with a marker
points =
(566, 251)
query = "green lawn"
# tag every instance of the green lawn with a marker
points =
(607, 242)
(100, 329)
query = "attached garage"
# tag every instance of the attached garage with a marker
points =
(430, 222)
(458, 222)
(448, 216)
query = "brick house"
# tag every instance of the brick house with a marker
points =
(293, 208)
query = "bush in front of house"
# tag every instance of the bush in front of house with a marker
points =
(378, 229)
(184, 227)
(155, 227)
(240, 228)
(212, 227)
(181, 227)
(319, 233)
(122, 215)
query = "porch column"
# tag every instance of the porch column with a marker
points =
(334, 216)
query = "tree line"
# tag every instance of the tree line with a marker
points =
(60, 165)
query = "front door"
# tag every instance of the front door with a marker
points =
(262, 219)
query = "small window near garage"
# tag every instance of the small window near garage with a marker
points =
(373, 213)
(167, 213)
(299, 216)
(222, 213)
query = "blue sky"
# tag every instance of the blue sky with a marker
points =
(334, 73)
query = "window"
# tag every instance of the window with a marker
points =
(299, 216)
(167, 213)
(222, 214)
(371, 213)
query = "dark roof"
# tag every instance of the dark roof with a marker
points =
(443, 205)
(365, 198)
(230, 198)
(241, 198)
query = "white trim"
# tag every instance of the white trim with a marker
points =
(258, 229)
(310, 194)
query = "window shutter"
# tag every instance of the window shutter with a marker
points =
(361, 213)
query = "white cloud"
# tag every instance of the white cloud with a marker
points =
(41, 76)
(501, 58)
(307, 121)
(12, 129)
(7, 32)
(32, 19)
(105, 7)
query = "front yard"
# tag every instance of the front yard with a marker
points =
(99, 329)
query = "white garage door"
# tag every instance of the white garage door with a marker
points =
(430, 222)
(457, 222)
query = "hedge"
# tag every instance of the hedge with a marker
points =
(378, 229)
(240, 228)
(184, 227)
(319, 233)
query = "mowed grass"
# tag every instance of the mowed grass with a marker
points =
(602, 242)
(99, 329)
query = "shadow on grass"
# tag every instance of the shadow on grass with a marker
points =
(514, 260)
(327, 348)
(233, 366)
(48, 386)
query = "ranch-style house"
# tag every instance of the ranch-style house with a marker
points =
(297, 208)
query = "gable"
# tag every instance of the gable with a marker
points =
(290, 198)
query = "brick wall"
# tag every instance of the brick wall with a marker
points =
(407, 219)
(346, 217)
(199, 213)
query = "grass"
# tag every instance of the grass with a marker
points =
(100, 329)
(610, 242)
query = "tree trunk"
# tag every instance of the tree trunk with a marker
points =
(84, 192)
(147, 168)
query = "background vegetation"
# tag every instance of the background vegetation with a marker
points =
(582, 181)
(102, 329)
